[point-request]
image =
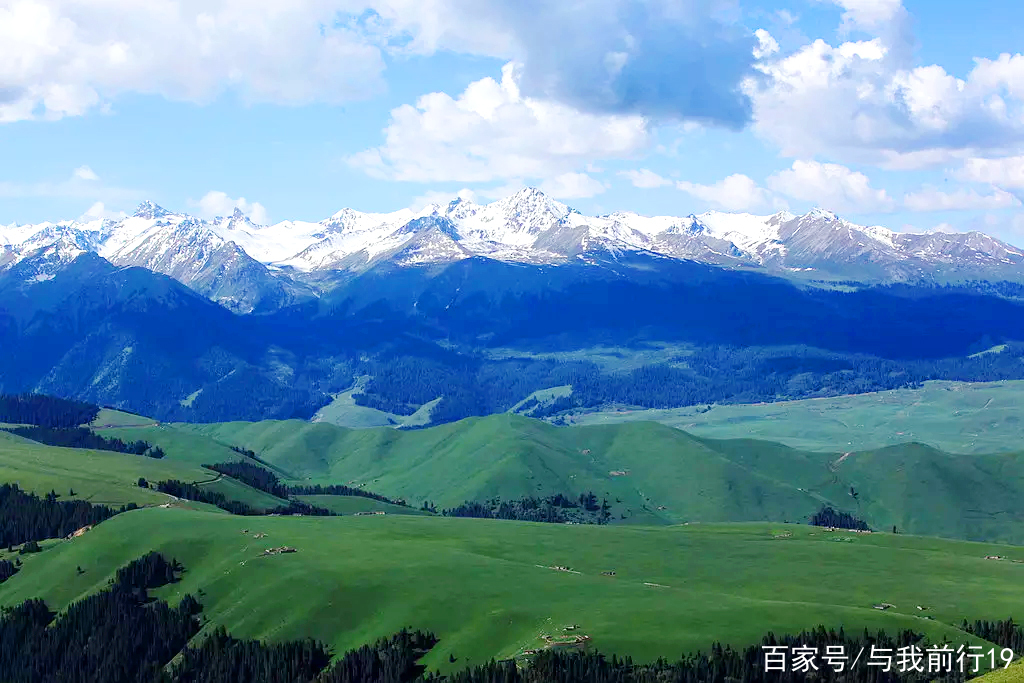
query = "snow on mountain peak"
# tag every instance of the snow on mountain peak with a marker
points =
(823, 214)
(527, 226)
(150, 210)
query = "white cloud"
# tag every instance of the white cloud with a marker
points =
(659, 58)
(60, 58)
(933, 199)
(1004, 172)
(82, 183)
(644, 178)
(572, 186)
(215, 203)
(441, 198)
(868, 14)
(831, 186)
(863, 101)
(663, 59)
(492, 132)
(734, 193)
(98, 211)
(85, 173)
(766, 44)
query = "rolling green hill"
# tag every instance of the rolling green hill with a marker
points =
(650, 473)
(959, 417)
(111, 478)
(487, 589)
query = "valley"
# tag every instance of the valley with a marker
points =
(707, 540)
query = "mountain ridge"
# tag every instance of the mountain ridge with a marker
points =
(249, 267)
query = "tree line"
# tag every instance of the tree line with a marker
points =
(117, 635)
(828, 517)
(1004, 633)
(194, 492)
(7, 570)
(45, 411)
(556, 509)
(27, 517)
(263, 479)
(341, 490)
(470, 385)
(255, 476)
(82, 437)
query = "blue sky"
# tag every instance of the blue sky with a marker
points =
(906, 115)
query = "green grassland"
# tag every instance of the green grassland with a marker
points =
(651, 473)
(344, 412)
(960, 417)
(485, 586)
(1011, 674)
(179, 445)
(101, 477)
(108, 417)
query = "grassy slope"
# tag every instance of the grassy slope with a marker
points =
(109, 478)
(959, 417)
(476, 583)
(108, 417)
(1012, 674)
(511, 456)
(179, 445)
(917, 488)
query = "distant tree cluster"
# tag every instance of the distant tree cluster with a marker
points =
(828, 517)
(253, 475)
(340, 490)
(719, 665)
(7, 570)
(27, 517)
(221, 658)
(45, 411)
(704, 375)
(117, 635)
(81, 437)
(556, 509)
(1005, 633)
(189, 491)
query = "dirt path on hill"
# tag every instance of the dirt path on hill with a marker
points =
(835, 465)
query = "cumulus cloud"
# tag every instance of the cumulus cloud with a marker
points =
(85, 173)
(491, 131)
(830, 186)
(572, 186)
(61, 58)
(880, 109)
(963, 199)
(869, 14)
(644, 178)
(215, 203)
(658, 58)
(1004, 172)
(734, 193)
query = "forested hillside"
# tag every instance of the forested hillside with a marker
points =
(433, 333)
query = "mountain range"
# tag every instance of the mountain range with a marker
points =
(468, 310)
(258, 268)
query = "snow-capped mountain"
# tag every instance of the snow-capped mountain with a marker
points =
(248, 266)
